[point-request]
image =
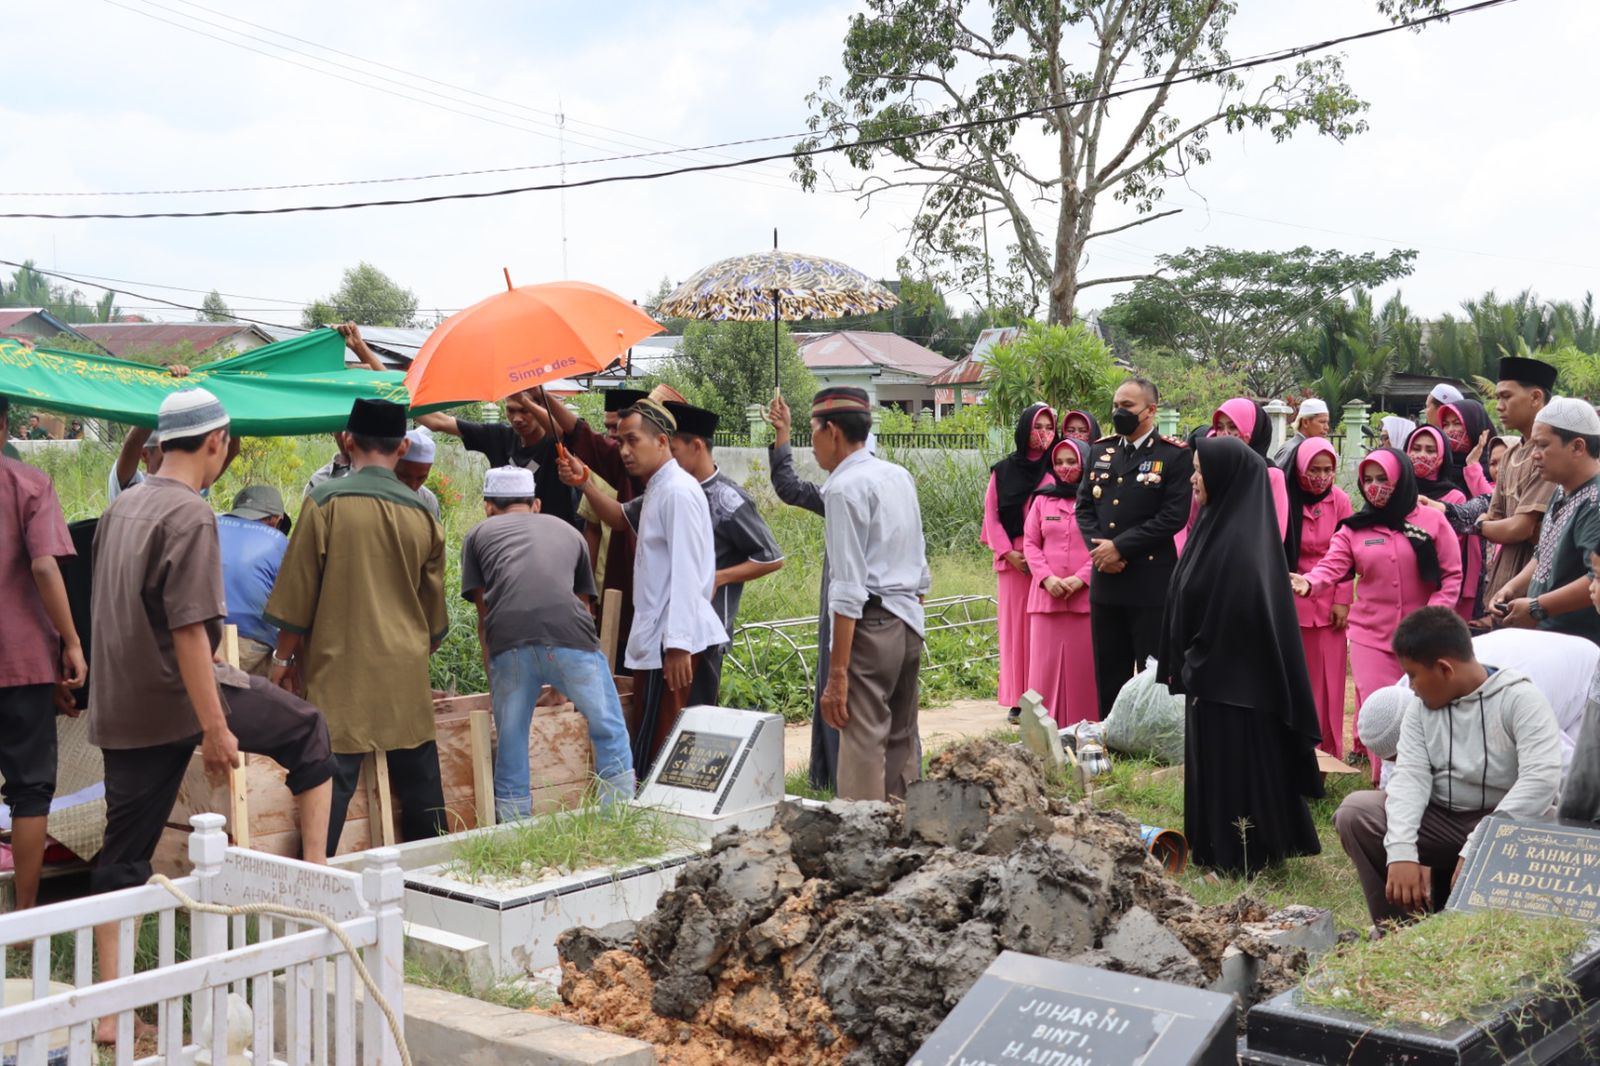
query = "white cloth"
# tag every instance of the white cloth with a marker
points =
(674, 572)
(113, 490)
(1574, 416)
(422, 445)
(1443, 393)
(1311, 407)
(1496, 748)
(872, 528)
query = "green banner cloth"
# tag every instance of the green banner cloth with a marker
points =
(292, 387)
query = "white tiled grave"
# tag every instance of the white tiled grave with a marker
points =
(721, 769)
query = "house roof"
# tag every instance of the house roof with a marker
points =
(11, 317)
(845, 349)
(123, 339)
(969, 369)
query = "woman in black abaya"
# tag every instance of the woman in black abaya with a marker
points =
(1231, 644)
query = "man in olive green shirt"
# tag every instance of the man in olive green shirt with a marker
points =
(359, 605)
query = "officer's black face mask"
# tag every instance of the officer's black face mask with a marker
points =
(1124, 421)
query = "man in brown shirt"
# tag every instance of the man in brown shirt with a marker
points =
(1521, 496)
(359, 605)
(156, 692)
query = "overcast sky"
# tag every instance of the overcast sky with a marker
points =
(1480, 151)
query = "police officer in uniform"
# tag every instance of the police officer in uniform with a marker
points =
(1133, 500)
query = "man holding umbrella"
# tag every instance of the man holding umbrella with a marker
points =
(523, 442)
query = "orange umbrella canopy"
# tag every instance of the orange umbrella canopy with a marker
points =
(523, 337)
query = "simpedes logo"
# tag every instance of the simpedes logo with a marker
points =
(527, 372)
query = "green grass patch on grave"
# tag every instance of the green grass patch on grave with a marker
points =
(1451, 967)
(588, 836)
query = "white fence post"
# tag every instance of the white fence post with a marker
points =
(383, 885)
(208, 933)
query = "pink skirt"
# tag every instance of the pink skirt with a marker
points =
(1373, 668)
(1012, 621)
(1061, 665)
(1327, 655)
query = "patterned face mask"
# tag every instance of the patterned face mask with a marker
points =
(1072, 476)
(1457, 435)
(1041, 438)
(1425, 465)
(1077, 431)
(1316, 484)
(1378, 492)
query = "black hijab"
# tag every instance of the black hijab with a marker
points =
(1475, 419)
(1448, 476)
(1094, 425)
(1393, 514)
(1017, 476)
(1230, 633)
(1066, 490)
(1299, 500)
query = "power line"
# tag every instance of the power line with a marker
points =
(872, 142)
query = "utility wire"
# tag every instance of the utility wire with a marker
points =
(871, 142)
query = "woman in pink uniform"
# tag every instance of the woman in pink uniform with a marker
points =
(1316, 507)
(1440, 480)
(1247, 420)
(1013, 482)
(1060, 652)
(1080, 425)
(1404, 555)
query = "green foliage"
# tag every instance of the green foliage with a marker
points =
(972, 419)
(1066, 367)
(1579, 371)
(214, 309)
(366, 296)
(1354, 351)
(725, 366)
(912, 67)
(583, 838)
(1192, 389)
(1239, 310)
(29, 288)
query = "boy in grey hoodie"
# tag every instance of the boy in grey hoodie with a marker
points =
(1476, 740)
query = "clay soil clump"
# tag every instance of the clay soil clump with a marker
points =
(844, 934)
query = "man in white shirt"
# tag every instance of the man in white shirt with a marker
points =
(878, 576)
(674, 573)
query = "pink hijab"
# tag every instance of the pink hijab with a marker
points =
(1309, 449)
(1242, 413)
(1387, 462)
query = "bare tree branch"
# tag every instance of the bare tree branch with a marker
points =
(1136, 222)
(1116, 280)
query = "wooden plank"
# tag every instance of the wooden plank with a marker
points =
(381, 786)
(480, 724)
(238, 783)
(610, 624)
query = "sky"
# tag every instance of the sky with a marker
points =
(1479, 152)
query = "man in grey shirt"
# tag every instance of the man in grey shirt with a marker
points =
(878, 579)
(529, 575)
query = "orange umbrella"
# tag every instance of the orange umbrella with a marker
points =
(521, 338)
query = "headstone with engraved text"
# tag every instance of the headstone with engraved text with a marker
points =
(1026, 1009)
(721, 766)
(1534, 868)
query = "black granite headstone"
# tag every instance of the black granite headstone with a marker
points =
(1536, 868)
(1030, 1011)
(699, 761)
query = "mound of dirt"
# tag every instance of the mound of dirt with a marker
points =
(844, 934)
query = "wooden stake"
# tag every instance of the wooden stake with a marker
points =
(482, 767)
(610, 625)
(238, 776)
(384, 809)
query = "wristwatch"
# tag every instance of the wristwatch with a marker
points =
(283, 663)
(1539, 613)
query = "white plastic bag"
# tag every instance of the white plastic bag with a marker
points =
(1146, 719)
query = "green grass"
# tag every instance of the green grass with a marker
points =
(1451, 967)
(505, 992)
(594, 834)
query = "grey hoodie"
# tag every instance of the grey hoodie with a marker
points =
(1444, 759)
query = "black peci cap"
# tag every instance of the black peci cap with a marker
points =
(695, 421)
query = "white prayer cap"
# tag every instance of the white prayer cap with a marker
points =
(190, 413)
(1570, 414)
(1378, 724)
(508, 483)
(422, 446)
(1312, 406)
(1442, 393)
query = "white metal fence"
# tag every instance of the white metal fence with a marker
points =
(259, 959)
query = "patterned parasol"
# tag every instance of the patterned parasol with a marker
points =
(776, 285)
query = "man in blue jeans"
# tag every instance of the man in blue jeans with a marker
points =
(530, 577)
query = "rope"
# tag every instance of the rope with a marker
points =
(373, 995)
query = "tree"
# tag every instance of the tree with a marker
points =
(30, 288)
(1048, 66)
(726, 366)
(1067, 367)
(214, 309)
(366, 296)
(1239, 310)
(1355, 351)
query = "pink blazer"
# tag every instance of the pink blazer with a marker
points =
(1389, 586)
(1317, 529)
(994, 534)
(1054, 547)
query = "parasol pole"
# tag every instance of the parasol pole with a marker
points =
(544, 398)
(775, 297)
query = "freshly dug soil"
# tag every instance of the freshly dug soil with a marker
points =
(844, 934)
